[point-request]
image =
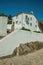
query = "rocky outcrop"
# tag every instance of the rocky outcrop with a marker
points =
(25, 49)
(28, 48)
(35, 58)
(26, 54)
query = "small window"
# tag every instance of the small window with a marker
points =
(30, 18)
(16, 22)
(30, 24)
(27, 22)
(26, 16)
(35, 25)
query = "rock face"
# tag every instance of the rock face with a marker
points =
(25, 54)
(40, 24)
(28, 48)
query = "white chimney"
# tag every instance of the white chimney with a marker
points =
(31, 12)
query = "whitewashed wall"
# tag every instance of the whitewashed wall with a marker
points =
(22, 18)
(3, 25)
(19, 19)
(11, 41)
(9, 26)
(33, 21)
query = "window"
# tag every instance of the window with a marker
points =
(26, 16)
(16, 22)
(27, 20)
(30, 24)
(31, 18)
(35, 25)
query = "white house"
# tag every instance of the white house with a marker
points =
(3, 25)
(26, 20)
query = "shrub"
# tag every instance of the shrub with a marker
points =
(37, 31)
(9, 22)
(25, 29)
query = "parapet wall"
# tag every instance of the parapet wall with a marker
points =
(11, 41)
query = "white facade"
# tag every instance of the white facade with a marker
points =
(27, 20)
(3, 25)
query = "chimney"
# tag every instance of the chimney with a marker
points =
(31, 12)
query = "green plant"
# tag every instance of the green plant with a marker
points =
(37, 31)
(25, 29)
(9, 22)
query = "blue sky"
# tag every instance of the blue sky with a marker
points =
(15, 6)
